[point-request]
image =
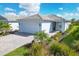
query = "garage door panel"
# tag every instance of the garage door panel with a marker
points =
(30, 26)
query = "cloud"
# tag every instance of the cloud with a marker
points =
(30, 8)
(60, 8)
(22, 13)
(9, 9)
(27, 9)
(60, 15)
(10, 13)
(69, 15)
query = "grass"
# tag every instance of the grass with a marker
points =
(73, 35)
(21, 51)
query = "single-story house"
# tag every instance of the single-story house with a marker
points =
(35, 23)
(12, 21)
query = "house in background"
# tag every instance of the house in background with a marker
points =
(12, 20)
(35, 23)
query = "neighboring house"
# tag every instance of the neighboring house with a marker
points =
(12, 21)
(35, 23)
(14, 25)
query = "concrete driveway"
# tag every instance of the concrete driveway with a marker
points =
(10, 42)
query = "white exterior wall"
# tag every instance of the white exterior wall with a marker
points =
(15, 26)
(63, 26)
(35, 25)
(29, 26)
(46, 26)
(67, 25)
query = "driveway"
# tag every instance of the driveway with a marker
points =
(12, 41)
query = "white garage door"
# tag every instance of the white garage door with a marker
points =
(46, 27)
(29, 26)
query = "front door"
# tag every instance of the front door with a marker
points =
(53, 25)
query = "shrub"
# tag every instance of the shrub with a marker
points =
(73, 35)
(67, 51)
(27, 52)
(42, 37)
(61, 49)
(76, 45)
(55, 49)
(39, 49)
(57, 36)
(4, 27)
(72, 53)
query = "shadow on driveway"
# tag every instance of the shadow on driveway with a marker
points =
(23, 34)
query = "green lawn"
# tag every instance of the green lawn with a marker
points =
(21, 51)
(73, 35)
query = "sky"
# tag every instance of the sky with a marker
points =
(65, 10)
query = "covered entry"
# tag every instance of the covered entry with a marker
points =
(48, 27)
(53, 26)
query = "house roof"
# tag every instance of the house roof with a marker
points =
(52, 17)
(11, 17)
(2, 18)
(49, 17)
(8, 18)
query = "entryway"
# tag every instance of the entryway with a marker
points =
(46, 27)
(53, 25)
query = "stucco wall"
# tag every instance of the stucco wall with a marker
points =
(33, 25)
(15, 26)
(29, 26)
(46, 26)
(63, 26)
(67, 25)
